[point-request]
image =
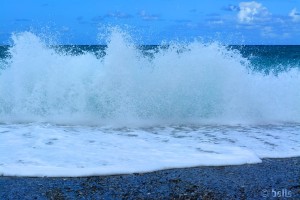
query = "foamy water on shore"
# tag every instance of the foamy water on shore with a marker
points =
(123, 110)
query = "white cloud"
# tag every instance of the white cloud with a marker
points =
(295, 15)
(145, 16)
(269, 32)
(231, 7)
(252, 11)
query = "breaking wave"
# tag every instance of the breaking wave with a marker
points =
(176, 83)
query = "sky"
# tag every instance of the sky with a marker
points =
(154, 21)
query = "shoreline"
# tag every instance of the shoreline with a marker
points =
(273, 178)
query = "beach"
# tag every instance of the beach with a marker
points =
(150, 100)
(271, 179)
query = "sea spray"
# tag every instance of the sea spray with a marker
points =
(174, 105)
(179, 83)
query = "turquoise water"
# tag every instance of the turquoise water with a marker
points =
(266, 58)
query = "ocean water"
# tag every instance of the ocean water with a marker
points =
(124, 108)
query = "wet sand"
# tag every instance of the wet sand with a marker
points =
(270, 179)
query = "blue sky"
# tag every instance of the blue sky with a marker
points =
(153, 21)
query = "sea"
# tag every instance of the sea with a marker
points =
(82, 110)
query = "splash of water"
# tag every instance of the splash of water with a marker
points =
(181, 83)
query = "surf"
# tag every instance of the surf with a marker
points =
(175, 83)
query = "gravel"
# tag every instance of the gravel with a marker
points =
(270, 179)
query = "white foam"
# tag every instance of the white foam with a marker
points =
(48, 150)
(193, 83)
(184, 83)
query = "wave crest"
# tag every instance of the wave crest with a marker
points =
(179, 83)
